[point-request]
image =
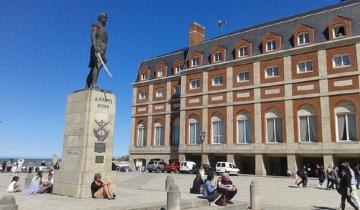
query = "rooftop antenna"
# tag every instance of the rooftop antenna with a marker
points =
(221, 24)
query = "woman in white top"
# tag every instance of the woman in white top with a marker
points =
(14, 186)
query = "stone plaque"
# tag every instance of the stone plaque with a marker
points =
(100, 147)
(99, 159)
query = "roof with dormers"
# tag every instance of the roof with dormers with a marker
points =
(285, 27)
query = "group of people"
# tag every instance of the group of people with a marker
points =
(39, 184)
(217, 193)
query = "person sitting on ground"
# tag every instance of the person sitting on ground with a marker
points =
(197, 184)
(209, 191)
(47, 186)
(35, 184)
(226, 187)
(14, 186)
(100, 189)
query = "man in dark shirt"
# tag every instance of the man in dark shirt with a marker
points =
(345, 188)
(226, 187)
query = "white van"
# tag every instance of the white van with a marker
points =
(227, 167)
(186, 166)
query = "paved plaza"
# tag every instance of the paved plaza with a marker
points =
(143, 190)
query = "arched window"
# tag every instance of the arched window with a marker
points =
(307, 124)
(194, 130)
(158, 137)
(345, 114)
(273, 126)
(217, 129)
(176, 131)
(141, 137)
(243, 128)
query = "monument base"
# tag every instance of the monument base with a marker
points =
(88, 140)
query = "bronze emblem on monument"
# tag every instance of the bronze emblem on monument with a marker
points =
(101, 133)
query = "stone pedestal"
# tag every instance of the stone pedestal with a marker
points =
(88, 142)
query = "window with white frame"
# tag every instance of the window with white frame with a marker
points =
(303, 38)
(195, 84)
(176, 131)
(159, 73)
(340, 61)
(178, 68)
(270, 45)
(177, 90)
(142, 95)
(194, 131)
(243, 76)
(243, 51)
(159, 93)
(141, 135)
(158, 137)
(304, 66)
(143, 76)
(273, 127)
(217, 80)
(217, 130)
(243, 128)
(339, 31)
(218, 56)
(195, 61)
(307, 124)
(272, 71)
(346, 128)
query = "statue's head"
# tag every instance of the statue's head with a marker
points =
(102, 17)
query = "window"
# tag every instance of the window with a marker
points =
(218, 56)
(159, 93)
(159, 74)
(217, 130)
(340, 61)
(270, 45)
(273, 127)
(243, 128)
(177, 90)
(158, 135)
(141, 135)
(195, 84)
(339, 31)
(143, 77)
(304, 66)
(176, 131)
(178, 68)
(307, 124)
(272, 72)
(346, 122)
(243, 51)
(243, 76)
(142, 95)
(194, 131)
(195, 61)
(217, 80)
(303, 38)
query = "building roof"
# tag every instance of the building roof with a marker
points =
(285, 27)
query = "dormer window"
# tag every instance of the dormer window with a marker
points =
(243, 51)
(159, 74)
(142, 95)
(143, 77)
(303, 38)
(178, 68)
(218, 57)
(159, 93)
(270, 45)
(195, 61)
(339, 31)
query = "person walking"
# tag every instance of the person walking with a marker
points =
(321, 174)
(345, 188)
(303, 177)
(328, 177)
(357, 175)
(334, 178)
(354, 196)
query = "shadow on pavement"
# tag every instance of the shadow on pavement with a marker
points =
(322, 208)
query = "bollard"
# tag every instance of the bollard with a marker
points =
(7, 202)
(173, 198)
(169, 183)
(28, 179)
(254, 195)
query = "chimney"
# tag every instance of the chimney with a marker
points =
(196, 33)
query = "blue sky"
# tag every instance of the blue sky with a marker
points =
(45, 52)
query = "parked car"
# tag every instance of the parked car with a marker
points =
(174, 167)
(208, 169)
(187, 166)
(155, 166)
(227, 167)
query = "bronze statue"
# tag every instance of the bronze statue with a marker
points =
(99, 38)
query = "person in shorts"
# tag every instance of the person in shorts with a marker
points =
(100, 189)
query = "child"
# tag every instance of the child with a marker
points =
(14, 186)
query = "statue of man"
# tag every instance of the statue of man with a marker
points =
(99, 38)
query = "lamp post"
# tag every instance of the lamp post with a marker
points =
(202, 139)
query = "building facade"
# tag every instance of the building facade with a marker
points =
(270, 98)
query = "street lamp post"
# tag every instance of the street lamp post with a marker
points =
(202, 139)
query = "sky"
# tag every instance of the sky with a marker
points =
(44, 54)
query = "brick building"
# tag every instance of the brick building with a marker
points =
(270, 97)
